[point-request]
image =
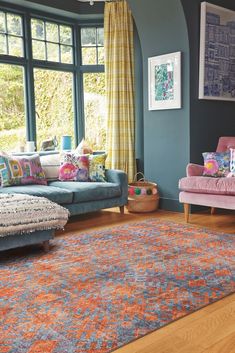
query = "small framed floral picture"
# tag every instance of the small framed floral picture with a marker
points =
(164, 81)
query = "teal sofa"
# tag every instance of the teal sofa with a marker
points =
(81, 197)
(77, 197)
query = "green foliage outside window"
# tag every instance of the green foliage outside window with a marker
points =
(12, 110)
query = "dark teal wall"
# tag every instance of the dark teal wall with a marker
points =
(209, 119)
(162, 29)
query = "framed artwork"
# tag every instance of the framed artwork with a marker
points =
(217, 53)
(164, 81)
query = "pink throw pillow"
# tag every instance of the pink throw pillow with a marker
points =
(74, 168)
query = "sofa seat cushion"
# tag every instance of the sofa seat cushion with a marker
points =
(58, 195)
(208, 185)
(89, 191)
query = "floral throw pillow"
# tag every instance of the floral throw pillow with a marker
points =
(21, 170)
(97, 167)
(232, 163)
(74, 168)
(232, 160)
(216, 164)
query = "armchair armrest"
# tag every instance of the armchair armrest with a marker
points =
(194, 169)
(119, 177)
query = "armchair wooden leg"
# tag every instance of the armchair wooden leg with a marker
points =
(186, 212)
(213, 210)
(121, 208)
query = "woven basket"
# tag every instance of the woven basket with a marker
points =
(143, 196)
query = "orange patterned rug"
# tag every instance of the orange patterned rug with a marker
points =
(97, 291)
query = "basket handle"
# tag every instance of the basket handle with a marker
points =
(141, 179)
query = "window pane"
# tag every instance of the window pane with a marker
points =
(101, 55)
(89, 56)
(65, 35)
(52, 52)
(2, 22)
(66, 54)
(54, 104)
(37, 27)
(88, 36)
(3, 46)
(14, 24)
(12, 109)
(100, 36)
(39, 50)
(15, 46)
(52, 34)
(94, 105)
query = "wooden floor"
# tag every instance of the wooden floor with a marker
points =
(209, 330)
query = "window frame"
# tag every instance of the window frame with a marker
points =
(8, 34)
(29, 64)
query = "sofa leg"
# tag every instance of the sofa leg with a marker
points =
(46, 245)
(213, 210)
(121, 208)
(186, 212)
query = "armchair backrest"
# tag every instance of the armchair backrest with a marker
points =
(225, 143)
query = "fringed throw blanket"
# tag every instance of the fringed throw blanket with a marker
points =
(21, 213)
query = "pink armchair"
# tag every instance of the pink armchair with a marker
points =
(196, 189)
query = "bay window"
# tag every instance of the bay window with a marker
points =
(51, 80)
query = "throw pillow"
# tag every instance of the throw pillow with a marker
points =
(232, 160)
(97, 167)
(83, 148)
(232, 163)
(50, 165)
(216, 164)
(21, 170)
(74, 168)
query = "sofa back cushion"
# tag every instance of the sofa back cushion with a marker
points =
(50, 165)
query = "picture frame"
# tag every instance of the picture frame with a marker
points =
(164, 81)
(217, 53)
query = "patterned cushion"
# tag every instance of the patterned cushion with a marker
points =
(232, 163)
(232, 160)
(21, 170)
(74, 168)
(216, 164)
(97, 167)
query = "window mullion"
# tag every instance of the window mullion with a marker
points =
(45, 39)
(6, 35)
(78, 88)
(29, 82)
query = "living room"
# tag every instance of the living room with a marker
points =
(87, 293)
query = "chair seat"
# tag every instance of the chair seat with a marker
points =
(208, 185)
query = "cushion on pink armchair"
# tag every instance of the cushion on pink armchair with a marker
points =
(208, 185)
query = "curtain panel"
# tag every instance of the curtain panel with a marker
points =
(119, 69)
